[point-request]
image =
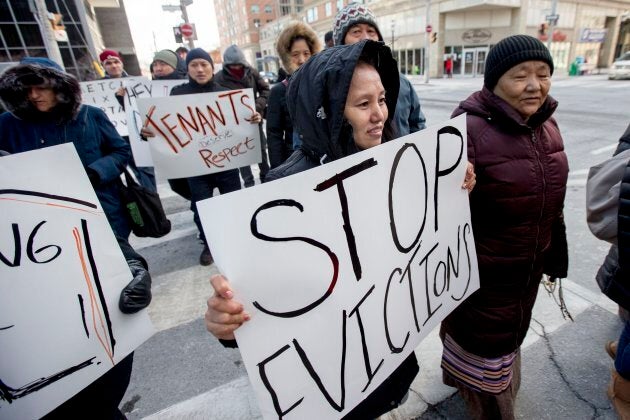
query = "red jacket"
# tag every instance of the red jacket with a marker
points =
(516, 209)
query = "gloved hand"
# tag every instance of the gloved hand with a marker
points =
(137, 294)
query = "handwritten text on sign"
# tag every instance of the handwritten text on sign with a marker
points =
(345, 268)
(143, 89)
(102, 94)
(202, 133)
(61, 274)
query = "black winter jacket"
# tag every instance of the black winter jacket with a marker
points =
(279, 126)
(613, 276)
(325, 139)
(251, 79)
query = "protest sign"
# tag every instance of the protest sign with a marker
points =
(202, 133)
(61, 274)
(102, 94)
(345, 268)
(143, 89)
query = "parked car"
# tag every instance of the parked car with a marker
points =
(620, 68)
(269, 77)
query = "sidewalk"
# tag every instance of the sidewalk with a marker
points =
(565, 371)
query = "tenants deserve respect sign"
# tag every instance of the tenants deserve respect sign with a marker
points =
(345, 268)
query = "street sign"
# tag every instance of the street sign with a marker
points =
(187, 30)
(429, 28)
(553, 18)
(178, 34)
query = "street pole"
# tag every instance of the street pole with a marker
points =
(52, 49)
(393, 24)
(182, 5)
(427, 44)
(552, 23)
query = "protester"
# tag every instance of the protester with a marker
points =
(613, 278)
(182, 52)
(356, 22)
(114, 69)
(516, 208)
(103, 396)
(344, 132)
(200, 80)
(328, 39)
(45, 109)
(238, 74)
(295, 44)
(166, 66)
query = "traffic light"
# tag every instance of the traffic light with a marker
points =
(433, 37)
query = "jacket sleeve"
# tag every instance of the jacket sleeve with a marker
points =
(556, 258)
(262, 88)
(624, 142)
(417, 121)
(275, 130)
(116, 151)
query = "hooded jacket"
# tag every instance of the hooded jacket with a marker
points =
(102, 151)
(279, 126)
(516, 210)
(316, 99)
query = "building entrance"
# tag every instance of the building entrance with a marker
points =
(474, 61)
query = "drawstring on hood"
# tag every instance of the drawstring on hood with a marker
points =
(316, 96)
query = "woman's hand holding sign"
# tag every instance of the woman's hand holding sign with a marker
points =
(224, 315)
(255, 119)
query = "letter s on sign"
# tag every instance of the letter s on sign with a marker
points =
(333, 258)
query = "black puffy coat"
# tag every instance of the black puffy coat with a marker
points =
(318, 116)
(613, 276)
(279, 125)
(516, 211)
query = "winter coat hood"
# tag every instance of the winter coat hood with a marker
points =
(316, 96)
(291, 33)
(16, 81)
(234, 55)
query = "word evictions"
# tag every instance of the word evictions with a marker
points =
(176, 129)
(430, 276)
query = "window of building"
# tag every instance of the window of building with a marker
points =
(257, 23)
(339, 5)
(311, 15)
(268, 9)
(255, 8)
(328, 8)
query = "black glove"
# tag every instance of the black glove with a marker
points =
(137, 294)
(95, 179)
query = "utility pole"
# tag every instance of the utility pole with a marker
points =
(393, 26)
(182, 5)
(553, 21)
(427, 44)
(41, 16)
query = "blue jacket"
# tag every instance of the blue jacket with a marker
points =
(102, 150)
(408, 116)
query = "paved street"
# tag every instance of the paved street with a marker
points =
(183, 372)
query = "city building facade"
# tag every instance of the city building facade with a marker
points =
(82, 30)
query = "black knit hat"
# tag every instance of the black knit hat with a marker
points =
(198, 53)
(511, 51)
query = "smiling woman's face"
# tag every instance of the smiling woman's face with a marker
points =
(366, 109)
(525, 87)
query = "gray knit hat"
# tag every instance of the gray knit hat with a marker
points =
(234, 55)
(166, 56)
(349, 16)
(511, 51)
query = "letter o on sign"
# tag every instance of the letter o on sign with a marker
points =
(186, 30)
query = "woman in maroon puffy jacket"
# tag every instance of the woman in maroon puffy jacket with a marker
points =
(517, 151)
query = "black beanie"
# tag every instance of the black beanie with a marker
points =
(511, 51)
(198, 53)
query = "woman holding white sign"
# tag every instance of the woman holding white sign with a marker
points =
(357, 86)
(516, 209)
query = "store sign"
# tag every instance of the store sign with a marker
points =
(476, 36)
(593, 35)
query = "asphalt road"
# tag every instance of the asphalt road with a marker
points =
(182, 360)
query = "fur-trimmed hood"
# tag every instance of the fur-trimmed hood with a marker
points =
(15, 82)
(296, 30)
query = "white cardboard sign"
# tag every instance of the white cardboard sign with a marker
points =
(143, 89)
(102, 94)
(345, 268)
(61, 274)
(202, 133)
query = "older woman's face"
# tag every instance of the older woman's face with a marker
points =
(366, 109)
(525, 87)
(42, 98)
(300, 52)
